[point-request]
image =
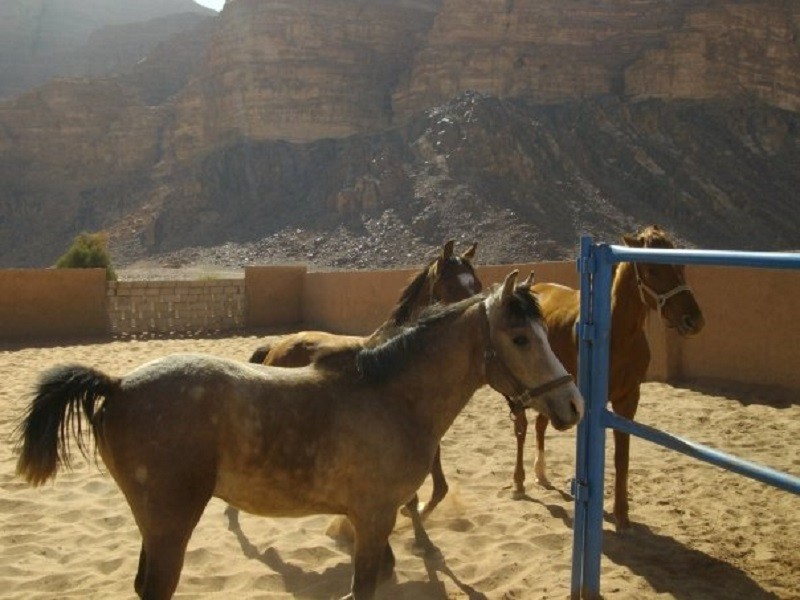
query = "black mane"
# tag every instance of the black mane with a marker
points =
(389, 358)
(402, 312)
(385, 360)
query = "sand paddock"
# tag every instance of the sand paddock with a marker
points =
(701, 532)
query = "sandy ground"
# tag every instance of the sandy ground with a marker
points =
(700, 532)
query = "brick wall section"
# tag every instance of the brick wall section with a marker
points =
(204, 306)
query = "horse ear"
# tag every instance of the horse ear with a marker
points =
(508, 285)
(470, 254)
(447, 249)
(528, 282)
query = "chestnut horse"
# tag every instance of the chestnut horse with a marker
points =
(448, 278)
(352, 434)
(636, 289)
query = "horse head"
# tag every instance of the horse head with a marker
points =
(519, 361)
(452, 278)
(663, 288)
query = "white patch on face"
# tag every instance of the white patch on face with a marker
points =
(553, 365)
(467, 281)
(141, 474)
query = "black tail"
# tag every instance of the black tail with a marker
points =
(259, 355)
(54, 416)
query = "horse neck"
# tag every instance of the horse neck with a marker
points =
(447, 373)
(420, 301)
(628, 311)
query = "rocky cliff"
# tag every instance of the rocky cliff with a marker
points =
(723, 51)
(551, 51)
(348, 120)
(300, 71)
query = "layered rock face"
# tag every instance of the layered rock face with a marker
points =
(550, 51)
(300, 71)
(724, 51)
(83, 130)
(277, 112)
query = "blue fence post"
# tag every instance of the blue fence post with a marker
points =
(595, 451)
(594, 335)
(579, 484)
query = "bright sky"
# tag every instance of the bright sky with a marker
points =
(215, 4)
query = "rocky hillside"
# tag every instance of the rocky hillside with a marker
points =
(361, 135)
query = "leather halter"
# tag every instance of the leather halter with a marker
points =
(526, 398)
(660, 299)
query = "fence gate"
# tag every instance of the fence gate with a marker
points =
(595, 265)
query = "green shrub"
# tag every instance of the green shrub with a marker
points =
(88, 251)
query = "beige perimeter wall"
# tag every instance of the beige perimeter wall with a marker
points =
(752, 334)
(52, 303)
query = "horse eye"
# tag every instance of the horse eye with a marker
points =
(520, 340)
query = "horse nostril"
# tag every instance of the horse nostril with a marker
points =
(692, 324)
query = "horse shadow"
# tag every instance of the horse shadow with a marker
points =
(669, 566)
(309, 584)
(677, 570)
(557, 511)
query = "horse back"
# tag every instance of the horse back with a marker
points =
(304, 348)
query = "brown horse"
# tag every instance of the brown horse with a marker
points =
(352, 434)
(448, 278)
(636, 289)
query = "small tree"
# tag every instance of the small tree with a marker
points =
(88, 251)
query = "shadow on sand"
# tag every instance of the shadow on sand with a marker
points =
(674, 569)
(308, 584)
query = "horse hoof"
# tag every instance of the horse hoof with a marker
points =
(519, 494)
(623, 525)
(544, 483)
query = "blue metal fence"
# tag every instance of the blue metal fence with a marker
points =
(596, 267)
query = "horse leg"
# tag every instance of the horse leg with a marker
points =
(421, 538)
(622, 441)
(521, 432)
(387, 566)
(163, 563)
(440, 487)
(372, 557)
(166, 524)
(139, 581)
(540, 465)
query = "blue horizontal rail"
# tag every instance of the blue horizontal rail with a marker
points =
(755, 471)
(725, 258)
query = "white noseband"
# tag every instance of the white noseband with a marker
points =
(660, 299)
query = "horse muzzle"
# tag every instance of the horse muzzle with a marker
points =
(557, 399)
